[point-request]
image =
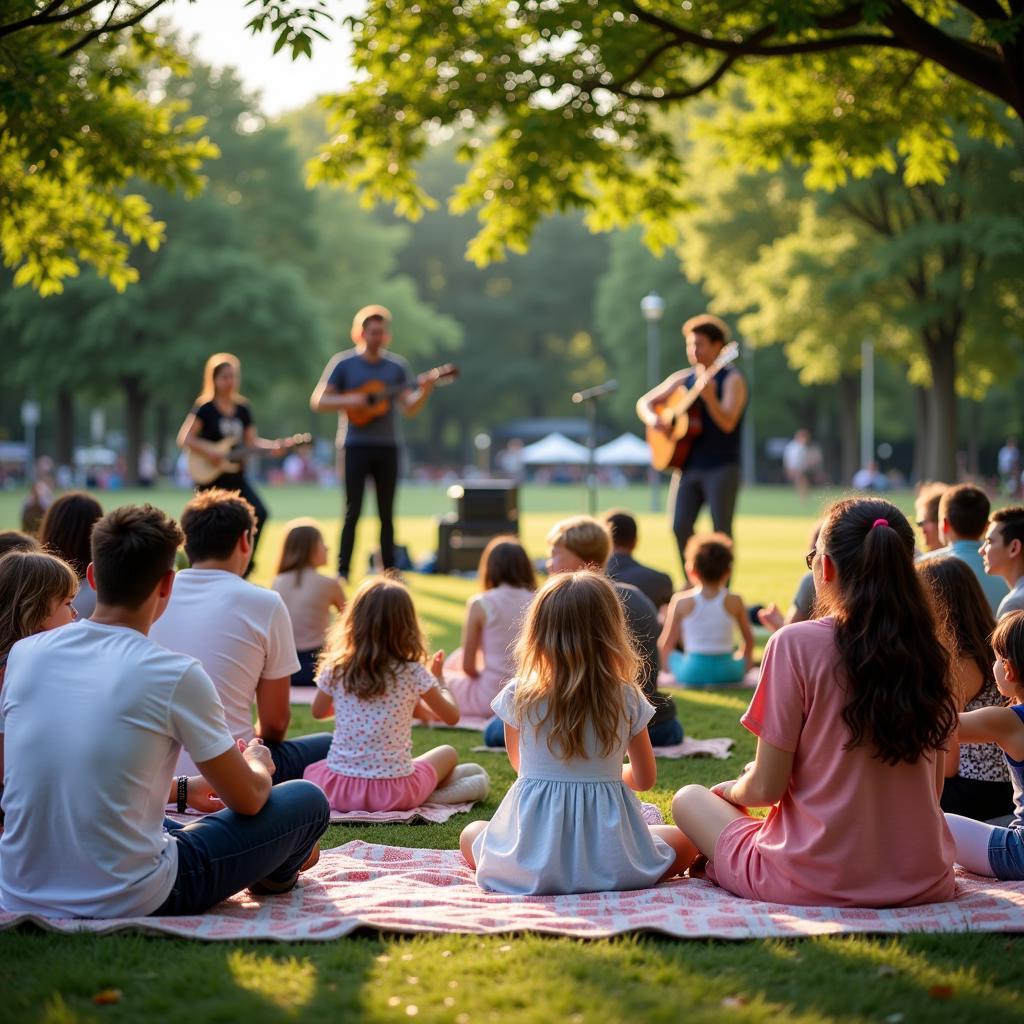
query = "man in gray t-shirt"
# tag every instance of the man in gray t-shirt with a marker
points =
(367, 386)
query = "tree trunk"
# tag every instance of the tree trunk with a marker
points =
(973, 439)
(849, 426)
(922, 435)
(942, 408)
(65, 426)
(135, 401)
(162, 428)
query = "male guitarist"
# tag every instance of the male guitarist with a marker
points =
(711, 473)
(372, 449)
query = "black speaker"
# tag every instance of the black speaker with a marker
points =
(486, 501)
(460, 544)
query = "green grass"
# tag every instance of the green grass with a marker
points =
(369, 977)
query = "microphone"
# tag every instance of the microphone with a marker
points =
(599, 391)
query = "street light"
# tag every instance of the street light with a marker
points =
(652, 306)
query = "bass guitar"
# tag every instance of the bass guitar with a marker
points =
(204, 470)
(671, 448)
(380, 394)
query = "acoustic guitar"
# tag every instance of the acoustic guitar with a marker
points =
(380, 394)
(670, 449)
(203, 470)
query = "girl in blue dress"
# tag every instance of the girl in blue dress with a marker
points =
(571, 822)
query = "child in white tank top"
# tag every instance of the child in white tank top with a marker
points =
(705, 618)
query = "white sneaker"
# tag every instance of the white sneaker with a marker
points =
(466, 784)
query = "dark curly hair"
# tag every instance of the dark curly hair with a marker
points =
(891, 662)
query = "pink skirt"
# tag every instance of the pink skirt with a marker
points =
(349, 793)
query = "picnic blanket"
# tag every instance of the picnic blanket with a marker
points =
(718, 748)
(430, 813)
(399, 890)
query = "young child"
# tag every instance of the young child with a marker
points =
(483, 664)
(977, 784)
(706, 616)
(308, 596)
(36, 595)
(371, 677)
(570, 823)
(1002, 552)
(982, 848)
(853, 712)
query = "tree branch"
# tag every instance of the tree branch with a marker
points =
(127, 23)
(987, 10)
(39, 18)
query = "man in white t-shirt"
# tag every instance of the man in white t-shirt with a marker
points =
(241, 633)
(95, 714)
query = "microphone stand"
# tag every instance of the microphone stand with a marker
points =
(590, 397)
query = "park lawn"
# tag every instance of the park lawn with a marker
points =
(369, 977)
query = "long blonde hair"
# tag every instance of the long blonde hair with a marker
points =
(300, 542)
(376, 633)
(213, 364)
(30, 581)
(576, 655)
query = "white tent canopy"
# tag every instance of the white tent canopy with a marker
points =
(555, 450)
(625, 450)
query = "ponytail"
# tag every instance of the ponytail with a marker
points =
(890, 660)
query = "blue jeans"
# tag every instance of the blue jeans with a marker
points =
(291, 757)
(667, 734)
(494, 733)
(226, 852)
(1006, 853)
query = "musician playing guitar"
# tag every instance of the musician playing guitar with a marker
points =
(219, 413)
(711, 471)
(368, 386)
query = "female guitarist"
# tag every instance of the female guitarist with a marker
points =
(220, 413)
(366, 386)
(711, 470)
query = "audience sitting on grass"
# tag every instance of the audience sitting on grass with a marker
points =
(977, 784)
(65, 532)
(476, 671)
(852, 713)
(926, 512)
(624, 568)
(963, 517)
(706, 617)
(570, 822)
(371, 677)
(1002, 553)
(240, 632)
(308, 596)
(15, 540)
(96, 713)
(583, 543)
(802, 608)
(37, 591)
(983, 848)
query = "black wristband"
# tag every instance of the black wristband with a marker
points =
(182, 794)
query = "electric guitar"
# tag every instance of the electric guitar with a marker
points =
(380, 394)
(203, 470)
(670, 449)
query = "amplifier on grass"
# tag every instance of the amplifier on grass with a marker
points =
(460, 543)
(486, 501)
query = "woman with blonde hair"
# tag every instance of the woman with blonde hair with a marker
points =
(571, 823)
(220, 411)
(308, 596)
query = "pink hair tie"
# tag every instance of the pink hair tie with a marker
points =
(879, 522)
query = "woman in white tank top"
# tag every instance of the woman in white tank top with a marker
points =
(706, 618)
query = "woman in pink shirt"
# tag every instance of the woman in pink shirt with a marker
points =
(852, 712)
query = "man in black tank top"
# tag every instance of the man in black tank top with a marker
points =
(711, 473)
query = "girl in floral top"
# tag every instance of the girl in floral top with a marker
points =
(977, 783)
(371, 677)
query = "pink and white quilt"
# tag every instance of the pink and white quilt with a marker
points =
(390, 889)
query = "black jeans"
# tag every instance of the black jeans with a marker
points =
(292, 757)
(239, 482)
(379, 461)
(226, 852)
(691, 488)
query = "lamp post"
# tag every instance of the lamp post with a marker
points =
(652, 307)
